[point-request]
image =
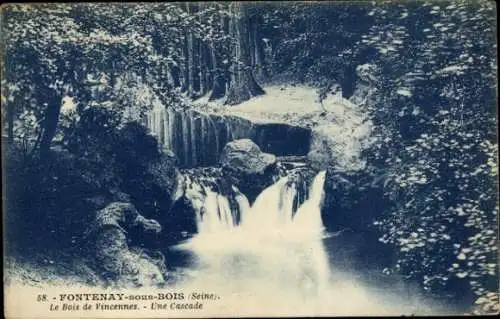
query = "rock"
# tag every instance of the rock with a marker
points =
(120, 196)
(351, 201)
(110, 253)
(248, 167)
(302, 178)
(245, 156)
(321, 154)
(181, 220)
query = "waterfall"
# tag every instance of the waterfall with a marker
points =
(308, 216)
(195, 134)
(217, 144)
(242, 200)
(276, 207)
(196, 138)
(204, 140)
(185, 131)
(216, 214)
(265, 251)
(171, 131)
(272, 208)
(213, 211)
(276, 258)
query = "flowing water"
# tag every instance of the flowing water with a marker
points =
(196, 138)
(274, 258)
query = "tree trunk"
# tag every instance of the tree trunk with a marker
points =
(205, 66)
(185, 62)
(201, 65)
(190, 64)
(219, 80)
(190, 56)
(258, 51)
(194, 71)
(251, 42)
(243, 85)
(208, 67)
(186, 79)
(49, 124)
(220, 77)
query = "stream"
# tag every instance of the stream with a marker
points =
(275, 258)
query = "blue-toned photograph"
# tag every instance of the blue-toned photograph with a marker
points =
(235, 159)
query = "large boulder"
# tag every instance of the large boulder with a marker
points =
(109, 252)
(246, 157)
(250, 169)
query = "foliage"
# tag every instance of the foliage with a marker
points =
(53, 51)
(314, 44)
(125, 156)
(149, 172)
(434, 110)
(97, 160)
(96, 66)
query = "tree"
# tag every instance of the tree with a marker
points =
(40, 65)
(243, 85)
(51, 50)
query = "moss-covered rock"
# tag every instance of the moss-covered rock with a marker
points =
(108, 247)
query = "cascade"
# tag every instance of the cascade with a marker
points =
(186, 132)
(216, 213)
(217, 207)
(308, 216)
(279, 206)
(285, 203)
(198, 138)
(265, 251)
(216, 135)
(275, 254)
(242, 200)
